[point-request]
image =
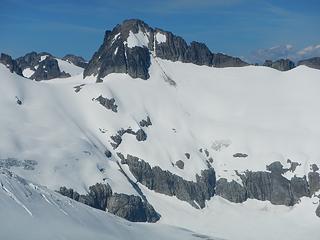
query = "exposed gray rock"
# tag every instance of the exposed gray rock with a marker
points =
(76, 60)
(138, 62)
(198, 53)
(271, 186)
(174, 48)
(221, 60)
(117, 139)
(19, 102)
(13, 162)
(115, 56)
(311, 62)
(314, 182)
(206, 152)
(78, 88)
(318, 211)
(108, 103)
(180, 164)
(98, 196)
(299, 188)
(231, 191)
(314, 167)
(31, 60)
(170, 184)
(293, 165)
(268, 186)
(281, 64)
(276, 167)
(122, 158)
(69, 192)
(48, 69)
(145, 123)
(132, 208)
(141, 135)
(10, 63)
(240, 155)
(108, 153)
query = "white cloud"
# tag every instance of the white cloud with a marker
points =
(284, 51)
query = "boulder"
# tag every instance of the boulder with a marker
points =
(180, 164)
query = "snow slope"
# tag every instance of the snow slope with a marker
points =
(29, 211)
(250, 220)
(267, 114)
(69, 67)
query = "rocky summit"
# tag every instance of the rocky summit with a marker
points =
(76, 60)
(129, 47)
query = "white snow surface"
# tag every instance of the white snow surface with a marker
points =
(29, 211)
(27, 72)
(43, 57)
(250, 220)
(140, 39)
(259, 111)
(69, 67)
(160, 37)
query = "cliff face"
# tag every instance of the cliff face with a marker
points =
(129, 47)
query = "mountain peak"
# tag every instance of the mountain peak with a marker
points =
(128, 48)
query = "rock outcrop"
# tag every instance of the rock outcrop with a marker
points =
(118, 55)
(314, 181)
(108, 103)
(318, 211)
(100, 196)
(180, 164)
(40, 66)
(31, 60)
(221, 60)
(132, 208)
(145, 123)
(232, 191)
(10, 63)
(117, 138)
(261, 185)
(195, 193)
(129, 46)
(281, 64)
(48, 69)
(76, 60)
(311, 62)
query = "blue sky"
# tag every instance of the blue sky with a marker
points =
(236, 27)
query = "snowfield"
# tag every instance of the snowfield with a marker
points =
(34, 212)
(258, 111)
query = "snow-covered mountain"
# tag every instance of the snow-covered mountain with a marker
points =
(287, 51)
(225, 152)
(44, 66)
